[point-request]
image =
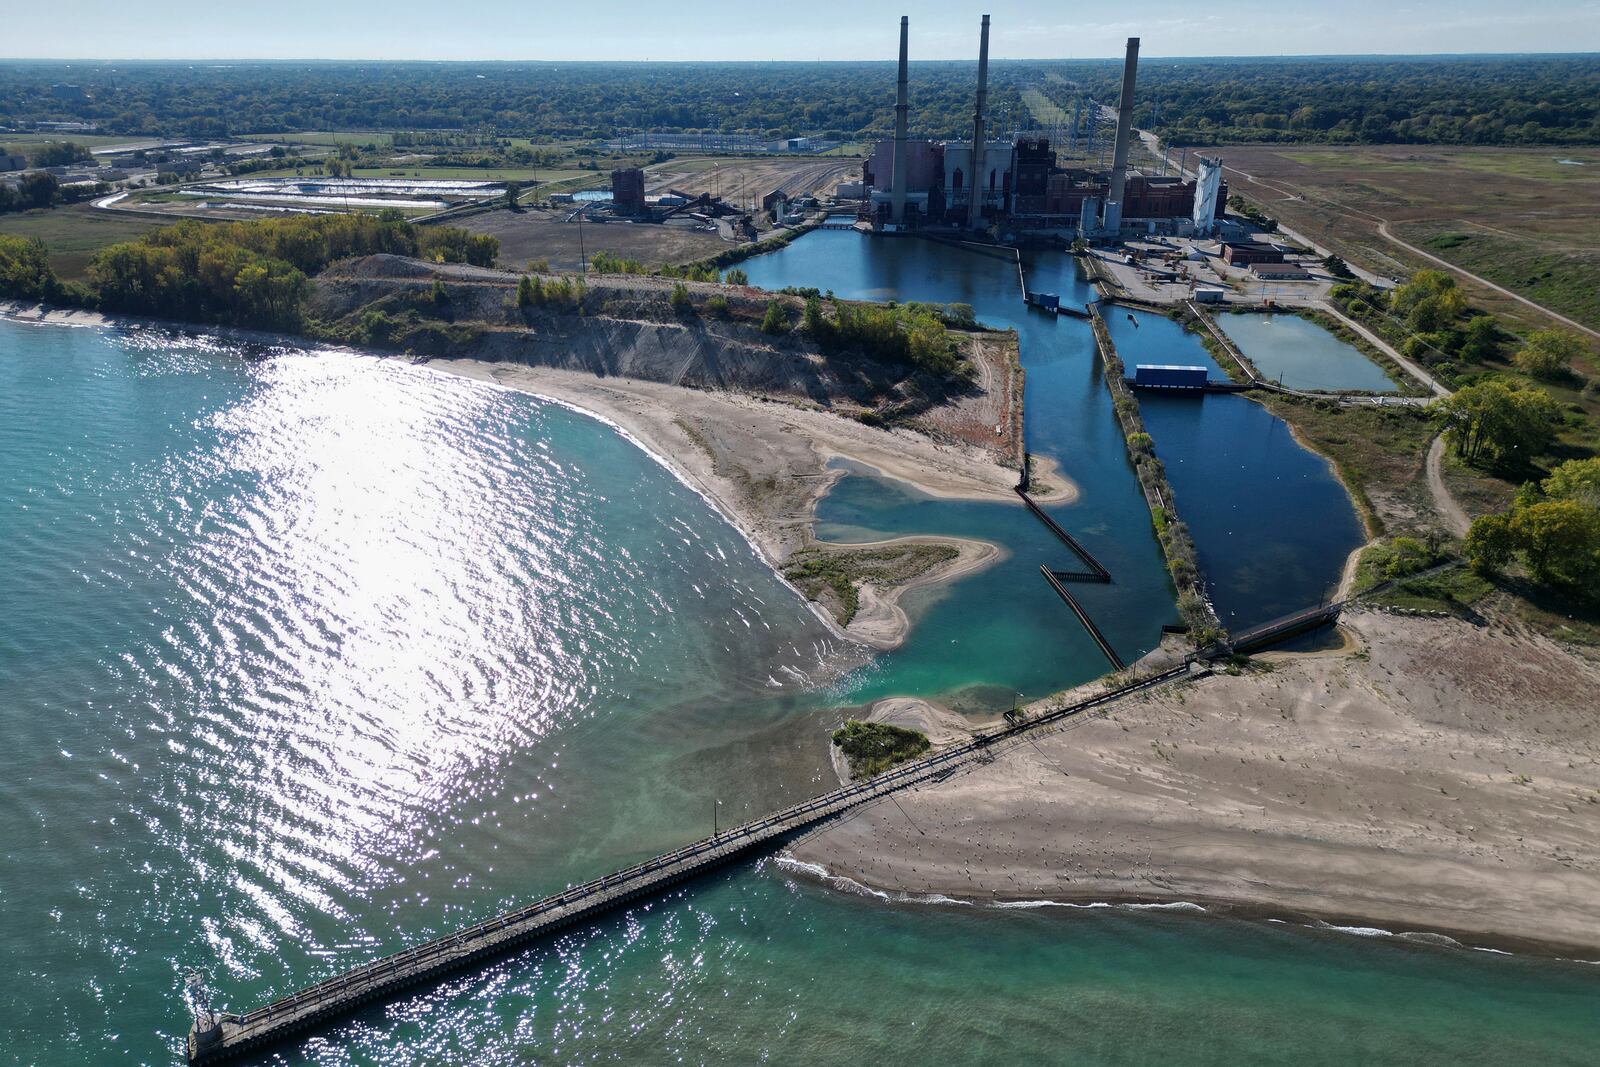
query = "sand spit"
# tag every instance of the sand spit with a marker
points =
(1429, 776)
(765, 464)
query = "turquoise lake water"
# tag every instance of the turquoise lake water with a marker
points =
(306, 656)
(1302, 355)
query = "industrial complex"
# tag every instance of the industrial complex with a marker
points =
(1017, 185)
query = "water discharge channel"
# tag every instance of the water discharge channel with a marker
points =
(307, 657)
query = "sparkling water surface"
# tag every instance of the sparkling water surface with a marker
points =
(305, 656)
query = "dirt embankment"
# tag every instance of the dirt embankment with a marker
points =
(626, 326)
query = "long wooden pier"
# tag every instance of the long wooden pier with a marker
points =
(389, 976)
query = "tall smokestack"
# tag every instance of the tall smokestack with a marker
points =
(1119, 154)
(979, 160)
(902, 105)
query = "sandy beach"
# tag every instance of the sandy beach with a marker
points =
(765, 463)
(1429, 776)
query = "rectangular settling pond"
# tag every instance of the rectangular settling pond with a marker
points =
(1301, 354)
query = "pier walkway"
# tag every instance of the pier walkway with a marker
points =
(384, 978)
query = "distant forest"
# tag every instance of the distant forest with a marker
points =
(1444, 100)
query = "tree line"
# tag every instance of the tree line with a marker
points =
(1416, 100)
(1447, 100)
(252, 274)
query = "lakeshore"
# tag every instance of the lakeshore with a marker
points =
(765, 464)
(1429, 775)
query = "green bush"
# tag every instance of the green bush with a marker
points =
(774, 321)
(25, 272)
(874, 747)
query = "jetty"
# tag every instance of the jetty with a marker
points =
(1055, 580)
(220, 1036)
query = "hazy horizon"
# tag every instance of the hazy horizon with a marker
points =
(1144, 56)
(722, 31)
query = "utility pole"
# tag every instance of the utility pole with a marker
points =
(714, 805)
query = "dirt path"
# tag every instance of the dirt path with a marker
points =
(1450, 511)
(1382, 225)
(1383, 231)
(1411, 368)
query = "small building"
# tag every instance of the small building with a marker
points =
(1245, 253)
(1279, 272)
(1209, 294)
(849, 191)
(1168, 376)
(10, 162)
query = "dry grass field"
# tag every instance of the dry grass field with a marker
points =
(1527, 219)
(533, 235)
(75, 233)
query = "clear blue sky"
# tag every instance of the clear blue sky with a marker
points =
(723, 30)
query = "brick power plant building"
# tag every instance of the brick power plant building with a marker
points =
(912, 183)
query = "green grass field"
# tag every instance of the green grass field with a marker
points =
(358, 137)
(74, 234)
(1564, 280)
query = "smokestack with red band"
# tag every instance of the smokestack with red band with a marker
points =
(1119, 156)
(897, 196)
(980, 160)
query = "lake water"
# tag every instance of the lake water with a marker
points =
(1301, 354)
(306, 656)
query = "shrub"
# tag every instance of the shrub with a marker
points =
(774, 321)
(679, 298)
(874, 747)
(1548, 353)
